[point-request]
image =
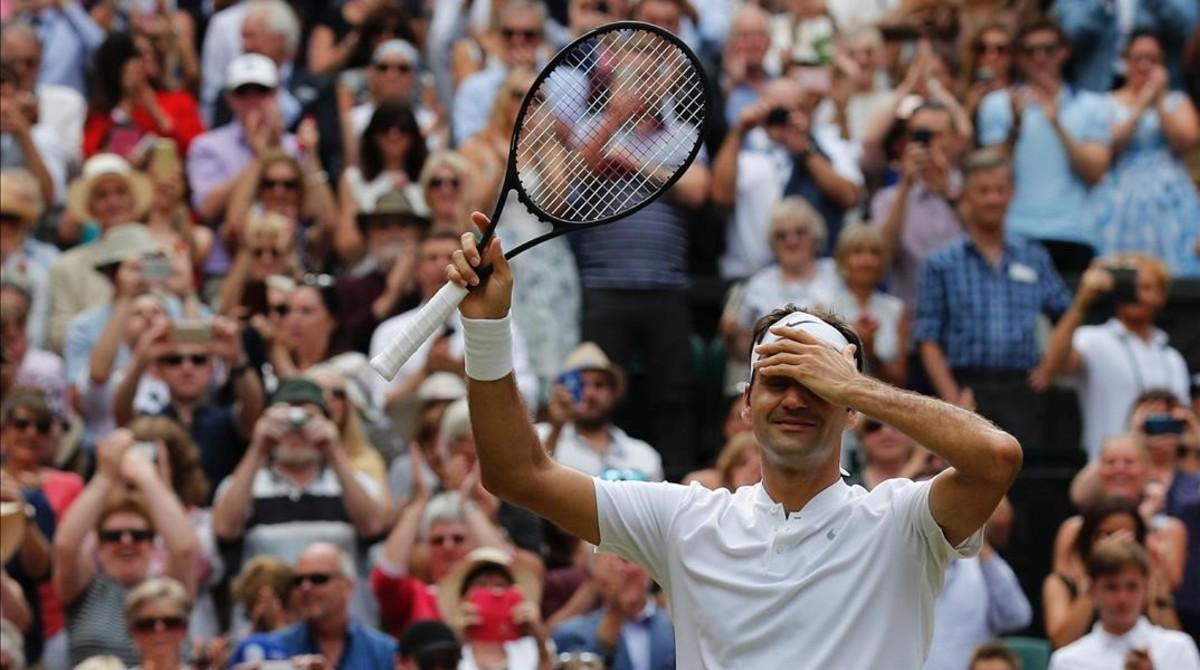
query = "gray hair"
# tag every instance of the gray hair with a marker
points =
(157, 588)
(795, 208)
(280, 20)
(518, 6)
(26, 187)
(445, 507)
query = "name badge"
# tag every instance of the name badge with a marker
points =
(1022, 273)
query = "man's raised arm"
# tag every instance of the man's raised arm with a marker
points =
(513, 463)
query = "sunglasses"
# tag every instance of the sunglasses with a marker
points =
(401, 68)
(175, 360)
(252, 89)
(443, 540)
(152, 624)
(43, 425)
(114, 535)
(451, 182)
(1031, 50)
(315, 578)
(10, 219)
(319, 280)
(260, 252)
(527, 35)
(998, 49)
(281, 309)
(871, 426)
(287, 184)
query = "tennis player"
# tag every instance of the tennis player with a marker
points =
(799, 571)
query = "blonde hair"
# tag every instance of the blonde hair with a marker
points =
(733, 452)
(261, 571)
(157, 588)
(354, 438)
(446, 159)
(855, 237)
(795, 208)
(20, 184)
(498, 119)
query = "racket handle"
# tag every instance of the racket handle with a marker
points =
(433, 315)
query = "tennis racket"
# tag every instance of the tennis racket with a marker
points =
(608, 125)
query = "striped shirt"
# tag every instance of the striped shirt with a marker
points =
(982, 316)
(96, 623)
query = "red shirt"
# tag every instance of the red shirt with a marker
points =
(403, 600)
(180, 107)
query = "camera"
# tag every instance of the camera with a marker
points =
(147, 450)
(921, 136)
(1162, 424)
(297, 418)
(777, 116)
(156, 268)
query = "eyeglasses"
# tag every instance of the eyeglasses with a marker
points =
(1031, 50)
(175, 360)
(252, 89)
(259, 252)
(798, 233)
(319, 280)
(43, 426)
(443, 540)
(314, 578)
(998, 49)
(152, 624)
(267, 184)
(114, 535)
(10, 219)
(449, 182)
(401, 68)
(529, 35)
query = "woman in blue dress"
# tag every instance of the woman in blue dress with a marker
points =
(1147, 202)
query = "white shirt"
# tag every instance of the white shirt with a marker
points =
(623, 453)
(1099, 650)
(847, 582)
(389, 330)
(1117, 367)
(63, 110)
(521, 654)
(222, 44)
(767, 290)
(886, 309)
(979, 602)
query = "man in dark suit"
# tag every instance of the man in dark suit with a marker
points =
(629, 630)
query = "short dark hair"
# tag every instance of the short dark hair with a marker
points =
(1162, 395)
(765, 322)
(30, 399)
(1039, 24)
(995, 651)
(1143, 33)
(1111, 557)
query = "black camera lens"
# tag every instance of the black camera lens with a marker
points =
(777, 116)
(921, 136)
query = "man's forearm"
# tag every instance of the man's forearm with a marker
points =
(725, 169)
(893, 224)
(836, 187)
(173, 525)
(1088, 161)
(506, 443)
(251, 398)
(1058, 351)
(967, 441)
(105, 351)
(232, 508)
(366, 513)
(938, 371)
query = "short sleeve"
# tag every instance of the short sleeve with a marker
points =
(1094, 121)
(995, 118)
(635, 519)
(1086, 341)
(912, 500)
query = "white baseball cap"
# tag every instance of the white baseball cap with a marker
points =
(251, 69)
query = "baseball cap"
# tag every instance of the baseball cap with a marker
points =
(251, 69)
(299, 391)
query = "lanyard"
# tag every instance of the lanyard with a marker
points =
(1133, 365)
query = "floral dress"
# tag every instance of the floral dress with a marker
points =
(1146, 202)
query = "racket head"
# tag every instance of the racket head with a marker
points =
(641, 78)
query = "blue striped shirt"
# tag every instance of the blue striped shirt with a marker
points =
(646, 250)
(983, 317)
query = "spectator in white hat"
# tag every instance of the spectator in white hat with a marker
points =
(109, 192)
(221, 157)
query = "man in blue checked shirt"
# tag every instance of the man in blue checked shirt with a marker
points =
(978, 301)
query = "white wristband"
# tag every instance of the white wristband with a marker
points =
(488, 345)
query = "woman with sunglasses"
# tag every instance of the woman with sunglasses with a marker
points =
(395, 74)
(987, 65)
(29, 444)
(296, 189)
(157, 615)
(127, 105)
(447, 185)
(268, 250)
(310, 331)
(392, 152)
(94, 589)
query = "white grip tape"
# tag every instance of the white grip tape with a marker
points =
(432, 316)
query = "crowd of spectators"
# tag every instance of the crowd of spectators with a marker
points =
(214, 213)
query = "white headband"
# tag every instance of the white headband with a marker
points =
(810, 324)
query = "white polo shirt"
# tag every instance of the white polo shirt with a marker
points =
(1099, 650)
(848, 582)
(1117, 367)
(623, 453)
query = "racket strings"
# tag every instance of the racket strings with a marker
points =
(664, 105)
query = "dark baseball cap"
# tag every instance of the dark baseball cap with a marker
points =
(299, 391)
(427, 637)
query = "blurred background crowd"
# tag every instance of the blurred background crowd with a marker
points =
(212, 212)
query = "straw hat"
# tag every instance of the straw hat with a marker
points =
(120, 243)
(107, 165)
(450, 588)
(589, 356)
